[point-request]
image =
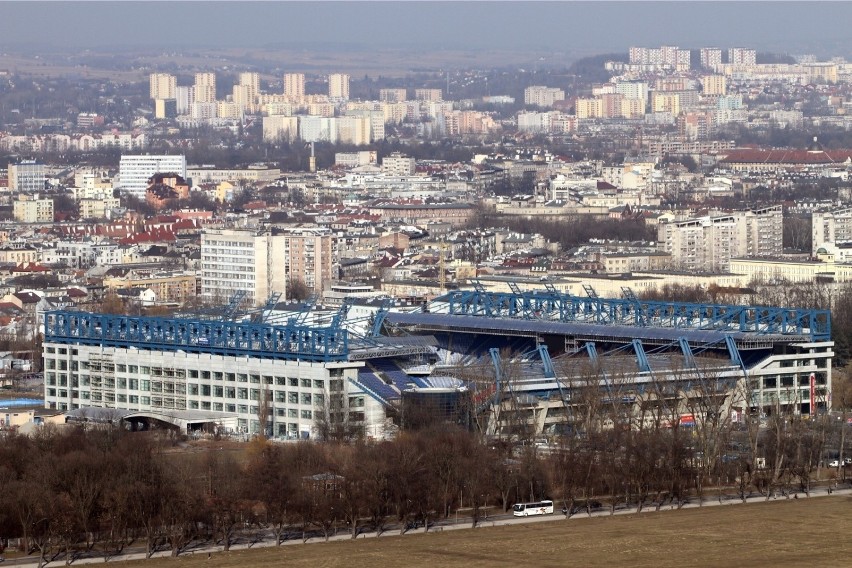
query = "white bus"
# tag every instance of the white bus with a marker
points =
(537, 508)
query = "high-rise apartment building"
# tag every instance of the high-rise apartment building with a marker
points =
(714, 85)
(246, 92)
(430, 95)
(260, 263)
(134, 171)
(668, 55)
(338, 86)
(184, 97)
(294, 85)
(710, 57)
(542, 96)
(239, 260)
(707, 244)
(280, 128)
(162, 86)
(392, 95)
(742, 56)
(632, 89)
(205, 87)
(306, 256)
(831, 228)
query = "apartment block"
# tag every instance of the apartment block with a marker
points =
(338, 86)
(714, 85)
(261, 263)
(398, 165)
(239, 260)
(32, 210)
(205, 87)
(742, 56)
(429, 95)
(280, 128)
(162, 86)
(294, 85)
(707, 244)
(831, 228)
(710, 57)
(306, 256)
(392, 95)
(542, 96)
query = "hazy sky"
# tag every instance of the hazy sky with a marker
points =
(795, 27)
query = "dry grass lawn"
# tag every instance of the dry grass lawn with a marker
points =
(803, 532)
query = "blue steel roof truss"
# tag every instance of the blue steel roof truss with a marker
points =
(289, 342)
(554, 306)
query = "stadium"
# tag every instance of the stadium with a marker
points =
(493, 361)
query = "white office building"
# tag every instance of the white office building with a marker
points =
(135, 171)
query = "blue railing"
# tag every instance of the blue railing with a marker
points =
(288, 342)
(555, 306)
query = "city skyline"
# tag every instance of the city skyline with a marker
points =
(561, 26)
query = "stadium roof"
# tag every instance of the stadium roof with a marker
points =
(497, 326)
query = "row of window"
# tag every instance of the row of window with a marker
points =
(790, 381)
(334, 385)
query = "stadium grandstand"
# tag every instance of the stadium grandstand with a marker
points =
(502, 359)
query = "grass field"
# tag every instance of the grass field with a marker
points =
(802, 532)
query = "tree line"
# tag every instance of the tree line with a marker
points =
(97, 491)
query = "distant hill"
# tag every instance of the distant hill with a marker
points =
(591, 69)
